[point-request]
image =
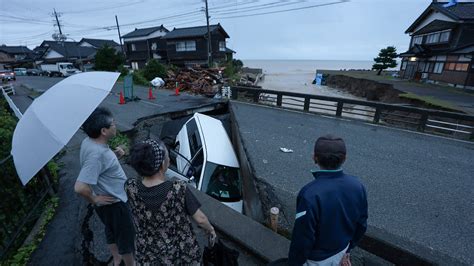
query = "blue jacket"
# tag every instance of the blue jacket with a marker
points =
(331, 212)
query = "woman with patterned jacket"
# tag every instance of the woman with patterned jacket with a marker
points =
(161, 210)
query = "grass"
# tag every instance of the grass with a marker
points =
(428, 100)
(23, 254)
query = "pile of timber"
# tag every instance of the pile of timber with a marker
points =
(196, 80)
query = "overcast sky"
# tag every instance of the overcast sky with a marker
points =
(349, 30)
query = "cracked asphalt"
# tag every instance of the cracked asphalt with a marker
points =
(420, 187)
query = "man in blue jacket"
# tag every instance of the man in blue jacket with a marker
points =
(331, 211)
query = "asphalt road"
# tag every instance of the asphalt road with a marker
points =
(131, 111)
(420, 187)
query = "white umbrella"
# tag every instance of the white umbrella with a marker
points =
(54, 117)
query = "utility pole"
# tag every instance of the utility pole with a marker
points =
(61, 38)
(209, 46)
(120, 37)
(57, 21)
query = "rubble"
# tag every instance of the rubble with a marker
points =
(196, 80)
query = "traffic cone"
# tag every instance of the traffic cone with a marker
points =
(122, 100)
(150, 94)
(176, 91)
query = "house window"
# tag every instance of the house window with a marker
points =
(428, 67)
(180, 46)
(135, 65)
(185, 46)
(462, 66)
(417, 40)
(444, 37)
(438, 67)
(433, 38)
(134, 48)
(222, 46)
(404, 65)
(154, 46)
(450, 66)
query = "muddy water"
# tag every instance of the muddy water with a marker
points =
(301, 82)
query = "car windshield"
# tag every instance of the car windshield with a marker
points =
(222, 182)
(69, 67)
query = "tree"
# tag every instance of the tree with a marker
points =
(386, 59)
(108, 59)
(154, 69)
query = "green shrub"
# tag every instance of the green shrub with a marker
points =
(154, 69)
(17, 200)
(108, 59)
(139, 79)
(123, 70)
(119, 139)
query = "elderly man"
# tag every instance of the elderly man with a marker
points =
(331, 211)
(101, 182)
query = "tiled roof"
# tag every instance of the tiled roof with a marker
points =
(15, 49)
(70, 49)
(192, 32)
(462, 10)
(144, 32)
(436, 25)
(99, 42)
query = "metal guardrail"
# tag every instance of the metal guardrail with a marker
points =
(451, 124)
(6, 90)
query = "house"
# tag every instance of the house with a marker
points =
(53, 52)
(188, 46)
(442, 45)
(144, 44)
(15, 56)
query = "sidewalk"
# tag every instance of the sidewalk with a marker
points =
(62, 242)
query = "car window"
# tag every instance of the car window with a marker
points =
(193, 137)
(222, 182)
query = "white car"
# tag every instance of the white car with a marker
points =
(204, 156)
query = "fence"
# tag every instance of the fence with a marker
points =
(21, 206)
(450, 124)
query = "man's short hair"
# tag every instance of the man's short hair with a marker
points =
(330, 152)
(100, 118)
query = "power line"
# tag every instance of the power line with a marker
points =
(258, 7)
(283, 11)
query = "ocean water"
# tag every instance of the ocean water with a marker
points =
(297, 75)
(305, 66)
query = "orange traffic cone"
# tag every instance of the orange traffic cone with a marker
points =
(150, 94)
(122, 100)
(176, 91)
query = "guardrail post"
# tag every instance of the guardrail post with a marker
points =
(339, 108)
(306, 104)
(279, 99)
(378, 111)
(235, 93)
(256, 95)
(423, 121)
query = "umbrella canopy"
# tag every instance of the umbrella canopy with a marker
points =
(54, 117)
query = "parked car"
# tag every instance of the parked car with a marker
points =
(33, 72)
(7, 75)
(20, 71)
(203, 155)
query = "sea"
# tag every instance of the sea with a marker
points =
(298, 75)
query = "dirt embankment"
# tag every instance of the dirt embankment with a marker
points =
(369, 89)
(378, 92)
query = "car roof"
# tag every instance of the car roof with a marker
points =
(219, 148)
